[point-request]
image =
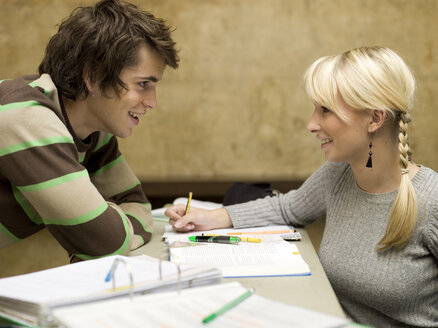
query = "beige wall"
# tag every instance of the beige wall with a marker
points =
(236, 108)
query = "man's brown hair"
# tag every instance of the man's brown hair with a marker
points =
(100, 41)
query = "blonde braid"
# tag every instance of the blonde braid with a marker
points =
(403, 146)
(403, 215)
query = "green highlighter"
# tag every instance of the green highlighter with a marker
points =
(229, 306)
(216, 239)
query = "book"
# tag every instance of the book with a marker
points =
(271, 257)
(188, 309)
(29, 299)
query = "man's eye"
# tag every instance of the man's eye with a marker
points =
(143, 84)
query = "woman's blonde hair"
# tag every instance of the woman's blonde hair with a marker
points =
(373, 78)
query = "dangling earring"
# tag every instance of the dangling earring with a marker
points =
(370, 160)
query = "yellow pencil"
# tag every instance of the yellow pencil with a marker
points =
(250, 240)
(188, 203)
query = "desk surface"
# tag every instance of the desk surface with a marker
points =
(312, 292)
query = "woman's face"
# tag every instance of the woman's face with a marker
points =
(342, 140)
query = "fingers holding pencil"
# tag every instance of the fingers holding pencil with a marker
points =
(197, 219)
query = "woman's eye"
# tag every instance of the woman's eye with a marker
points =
(325, 109)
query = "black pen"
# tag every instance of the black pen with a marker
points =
(216, 239)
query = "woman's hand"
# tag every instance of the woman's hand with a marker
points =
(197, 219)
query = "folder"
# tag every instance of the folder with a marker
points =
(30, 299)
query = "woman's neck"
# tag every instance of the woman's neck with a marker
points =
(383, 177)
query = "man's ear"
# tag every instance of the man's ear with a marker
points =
(378, 118)
(87, 80)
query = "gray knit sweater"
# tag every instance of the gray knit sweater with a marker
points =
(390, 289)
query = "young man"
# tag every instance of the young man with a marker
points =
(60, 166)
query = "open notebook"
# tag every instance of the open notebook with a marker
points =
(271, 257)
(30, 298)
(188, 308)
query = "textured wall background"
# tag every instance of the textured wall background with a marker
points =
(236, 108)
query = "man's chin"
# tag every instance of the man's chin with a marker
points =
(123, 134)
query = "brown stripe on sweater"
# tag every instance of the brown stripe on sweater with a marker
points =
(136, 212)
(88, 145)
(13, 216)
(138, 229)
(102, 236)
(102, 156)
(134, 194)
(19, 90)
(39, 164)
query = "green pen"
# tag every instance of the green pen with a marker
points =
(216, 239)
(229, 306)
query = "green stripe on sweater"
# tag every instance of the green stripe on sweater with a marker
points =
(103, 142)
(131, 186)
(34, 84)
(80, 219)
(20, 104)
(107, 166)
(35, 143)
(25, 206)
(81, 158)
(54, 182)
(139, 220)
(8, 233)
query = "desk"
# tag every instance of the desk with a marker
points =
(313, 292)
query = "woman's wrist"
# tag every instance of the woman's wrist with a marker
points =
(222, 218)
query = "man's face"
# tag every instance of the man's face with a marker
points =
(118, 115)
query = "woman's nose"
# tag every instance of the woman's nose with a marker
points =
(313, 125)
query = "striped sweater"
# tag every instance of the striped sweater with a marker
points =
(83, 191)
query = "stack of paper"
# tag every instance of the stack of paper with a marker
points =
(30, 298)
(271, 257)
(188, 308)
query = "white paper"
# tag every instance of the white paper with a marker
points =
(271, 257)
(158, 213)
(78, 280)
(266, 232)
(188, 308)
(197, 203)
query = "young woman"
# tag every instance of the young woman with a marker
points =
(380, 244)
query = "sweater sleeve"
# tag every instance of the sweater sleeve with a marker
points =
(297, 207)
(431, 235)
(116, 182)
(91, 213)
